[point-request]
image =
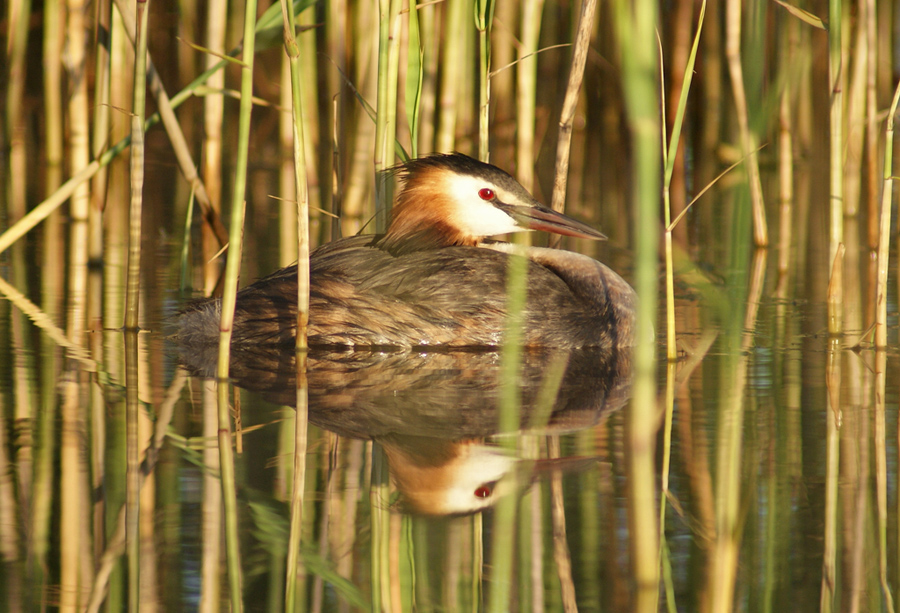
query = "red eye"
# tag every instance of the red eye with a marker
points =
(483, 491)
(486, 193)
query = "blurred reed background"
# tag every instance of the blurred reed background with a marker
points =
(784, 123)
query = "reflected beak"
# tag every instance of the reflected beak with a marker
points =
(539, 217)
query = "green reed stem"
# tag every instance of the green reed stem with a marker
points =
(665, 561)
(503, 541)
(636, 25)
(232, 268)
(415, 73)
(668, 169)
(300, 424)
(379, 494)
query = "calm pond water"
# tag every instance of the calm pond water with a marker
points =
(405, 469)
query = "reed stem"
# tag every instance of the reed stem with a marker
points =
(884, 234)
(301, 190)
(836, 129)
(386, 113)
(636, 24)
(232, 268)
(484, 18)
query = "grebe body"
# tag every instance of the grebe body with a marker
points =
(432, 280)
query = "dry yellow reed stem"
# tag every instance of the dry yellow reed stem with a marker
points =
(456, 18)
(881, 475)
(748, 138)
(836, 88)
(884, 235)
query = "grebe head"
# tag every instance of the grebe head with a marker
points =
(452, 199)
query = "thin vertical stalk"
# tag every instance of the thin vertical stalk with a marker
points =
(484, 18)
(101, 134)
(287, 206)
(570, 103)
(785, 180)
(502, 560)
(232, 268)
(312, 119)
(748, 138)
(477, 564)
(357, 201)
(856, 114)
(132, 305)
(451, 74)
(503, 540)
(211, 507)
(664, 476)
(881, 474)
(52, 274)
(669, 168)
(336, 27)
(636, 25)
(213, 113)
(561, 552)
(729, 462)
(415, 73)
(526, 91)
(884, 234)
(133, 476)
(833, 447)
(115, 251)
(386, 112)
(72, 474)
(292, 50)
(871, 16)
(25, 407)
(836, 125)
(132, 285)
(430, 44)
(379, 494)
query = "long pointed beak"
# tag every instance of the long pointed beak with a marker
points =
(539, 217)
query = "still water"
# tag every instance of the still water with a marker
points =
(405, 468)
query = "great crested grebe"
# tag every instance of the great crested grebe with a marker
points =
(431, 279)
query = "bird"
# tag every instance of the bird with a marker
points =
(435, 278)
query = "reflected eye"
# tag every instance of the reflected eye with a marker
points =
(486, 193)
(484, 491)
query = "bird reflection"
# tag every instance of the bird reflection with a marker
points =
(432, 411)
